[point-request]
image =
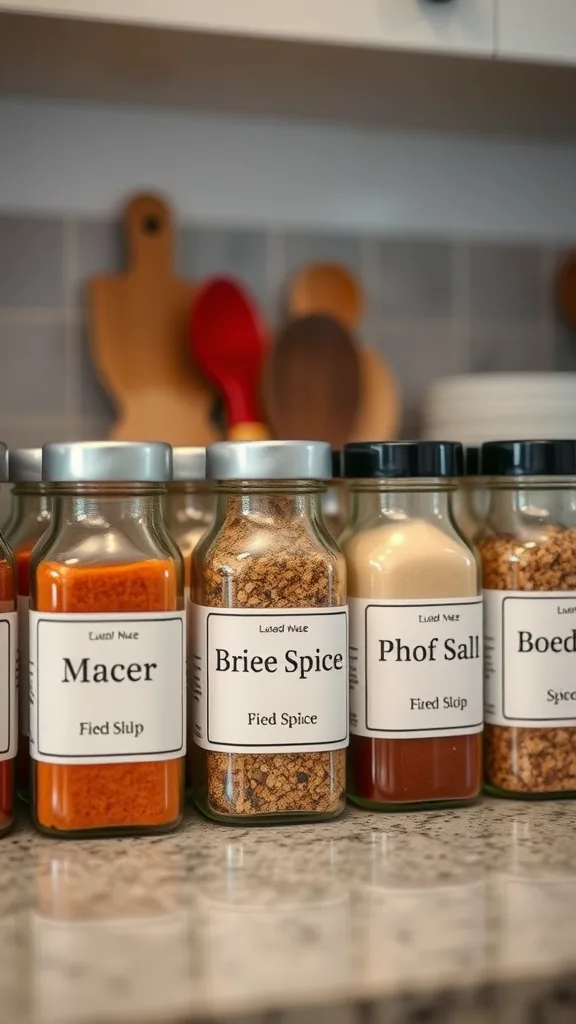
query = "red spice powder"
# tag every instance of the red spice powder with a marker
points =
(405, 771)
(131, 796)
(6, 767)
(22, 566)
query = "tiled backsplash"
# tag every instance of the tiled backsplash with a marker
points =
(433, 306)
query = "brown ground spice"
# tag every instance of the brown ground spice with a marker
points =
(530, 760)
(269, 559)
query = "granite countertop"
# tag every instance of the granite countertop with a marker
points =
(461, 916)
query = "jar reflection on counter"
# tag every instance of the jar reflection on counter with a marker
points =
(28, 522)
(8, 691)
(106, 930)
(415, 630)
(269, 590)
(278, 905)
(189, 504)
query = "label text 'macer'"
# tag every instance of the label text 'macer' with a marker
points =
(87, 671)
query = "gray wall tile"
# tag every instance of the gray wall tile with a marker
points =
(495, 349)
(203, 252)
(33, 362)
(506, 285)
(99, 250)
(27, 431)
(415, 280)
(92, 400)
(564, 342)
(417, 355)
(31, 263)
(92, 428)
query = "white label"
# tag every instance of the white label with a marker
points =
(415, 667)
(23, 665)
(266, 681)
(8, 686)
(107, 688)
(530, 658)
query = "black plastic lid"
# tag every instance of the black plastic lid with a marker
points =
(402, 459)
(472, 462)
(528, 458)
(336, 463)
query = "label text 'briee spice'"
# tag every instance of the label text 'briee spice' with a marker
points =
(292, 661)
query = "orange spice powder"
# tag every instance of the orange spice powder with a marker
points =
(125, 796)
(6, 767)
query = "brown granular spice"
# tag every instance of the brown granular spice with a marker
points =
(541, 760)
(269, 558)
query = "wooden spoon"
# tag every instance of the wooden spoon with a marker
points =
(228, 342)
(326, 288)
(312, 379)
(139, 322)
(332, 288)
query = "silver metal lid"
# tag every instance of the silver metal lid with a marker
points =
(3, 463)
(25, 465)
(269, 460)
(189, 463)
(128, 461)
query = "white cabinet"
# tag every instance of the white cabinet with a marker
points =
(539, 30)
(457, 26)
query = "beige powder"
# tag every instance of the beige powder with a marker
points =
(409, 560)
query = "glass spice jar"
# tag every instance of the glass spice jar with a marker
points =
(188, 511)
(471, 497)
(189, 503)
(528, 553)
(29, 520)
(415, 630)
(8, 677)
(107, 646)
(269, 636)
(335, 499)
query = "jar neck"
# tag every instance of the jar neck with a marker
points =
(188, 501)
(31, 506)
(265, 501)
(531, 500)
(395, 501)
(100, 507)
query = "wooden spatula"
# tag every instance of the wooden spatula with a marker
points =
(312, 381)
(228, 342)
(333, 289)
(139, 322)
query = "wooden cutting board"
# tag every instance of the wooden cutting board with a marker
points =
(139, 326)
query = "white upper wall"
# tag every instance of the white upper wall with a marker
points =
(84, 159)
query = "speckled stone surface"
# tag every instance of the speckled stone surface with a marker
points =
(464, 916)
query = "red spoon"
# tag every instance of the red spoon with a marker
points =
(228, 342)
